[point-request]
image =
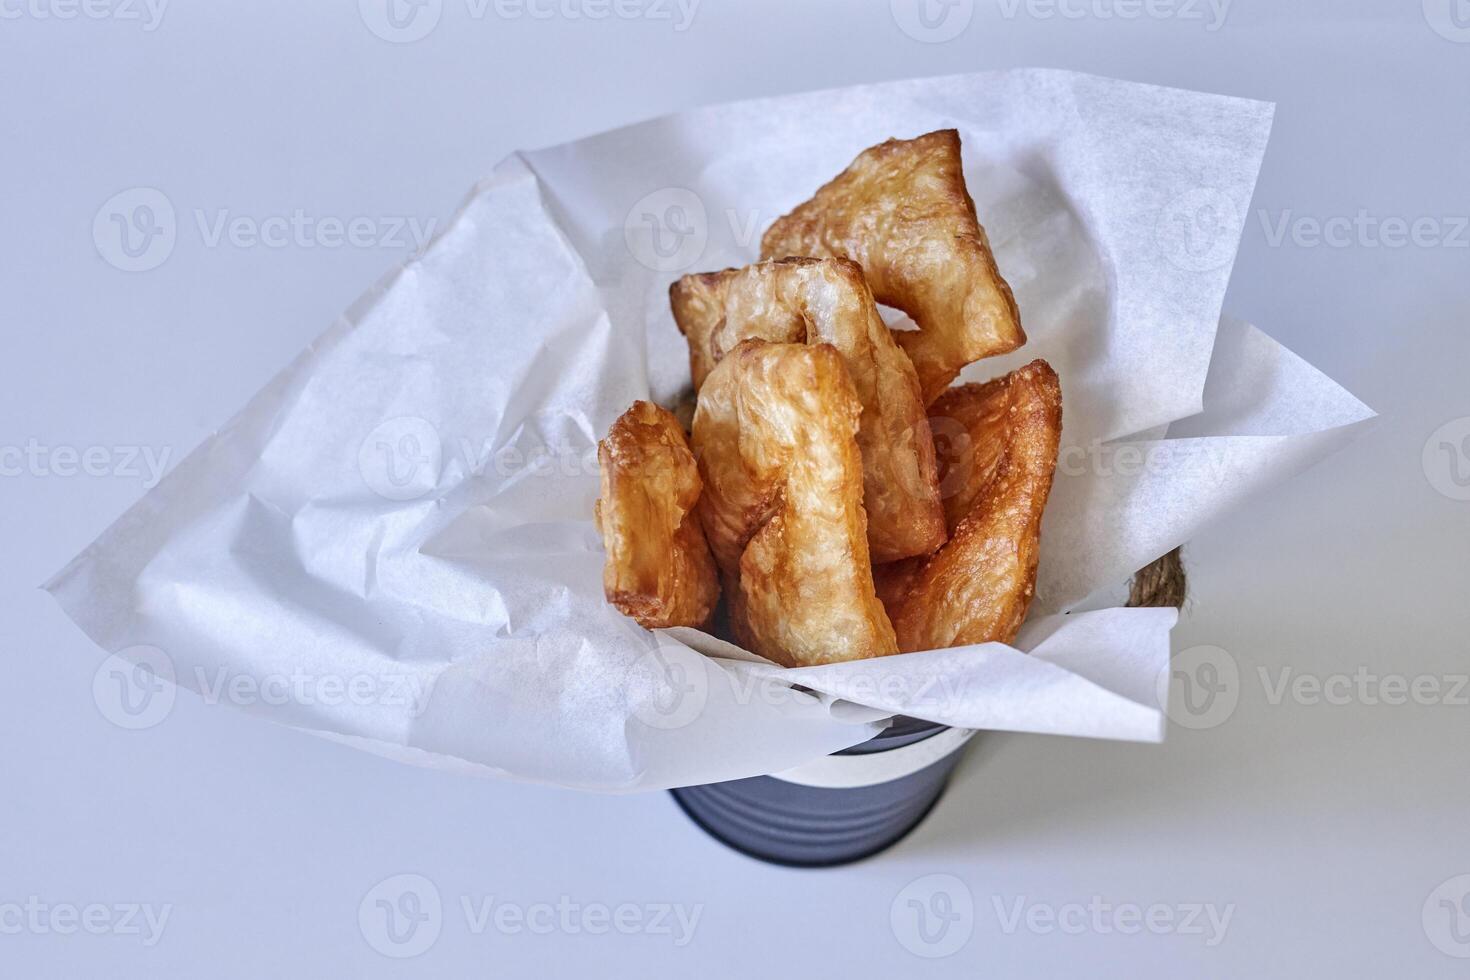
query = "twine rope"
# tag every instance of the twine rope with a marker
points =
(1162, 583)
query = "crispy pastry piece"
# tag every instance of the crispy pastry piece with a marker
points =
(977, 588)
(775, 433)
(658, 569)
(827, 301)
(902, 212)
(970, 437)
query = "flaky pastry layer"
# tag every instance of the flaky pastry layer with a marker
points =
(804, 300)
(658, 569)
(775, 434)
(901, 210)
(978, 587)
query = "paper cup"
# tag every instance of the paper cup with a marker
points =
(839, 809)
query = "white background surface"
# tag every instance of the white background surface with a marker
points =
(1323, 828)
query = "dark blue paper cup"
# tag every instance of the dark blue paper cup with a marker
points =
(822, 820)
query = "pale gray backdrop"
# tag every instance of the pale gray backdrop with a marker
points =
(1318, 828)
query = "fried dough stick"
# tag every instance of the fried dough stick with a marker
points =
(902, 212)
(827, 301)
(977, 588)
(775, 433)
(658, 569)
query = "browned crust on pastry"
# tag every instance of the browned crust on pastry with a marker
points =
(979, 586)
(804, 300)
(775, 433)
(902, 211)
(658, 568)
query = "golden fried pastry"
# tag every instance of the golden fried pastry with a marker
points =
(902, 212)
(827, 301)
(658, 569)
(776, 437)
(977, 588)
(970, 437)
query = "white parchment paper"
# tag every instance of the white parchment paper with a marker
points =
(395, 535)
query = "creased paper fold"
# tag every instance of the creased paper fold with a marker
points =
(400, 523)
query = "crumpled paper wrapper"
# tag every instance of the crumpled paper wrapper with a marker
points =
(400, 523)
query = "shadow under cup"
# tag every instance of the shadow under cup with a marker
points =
(846, 807)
